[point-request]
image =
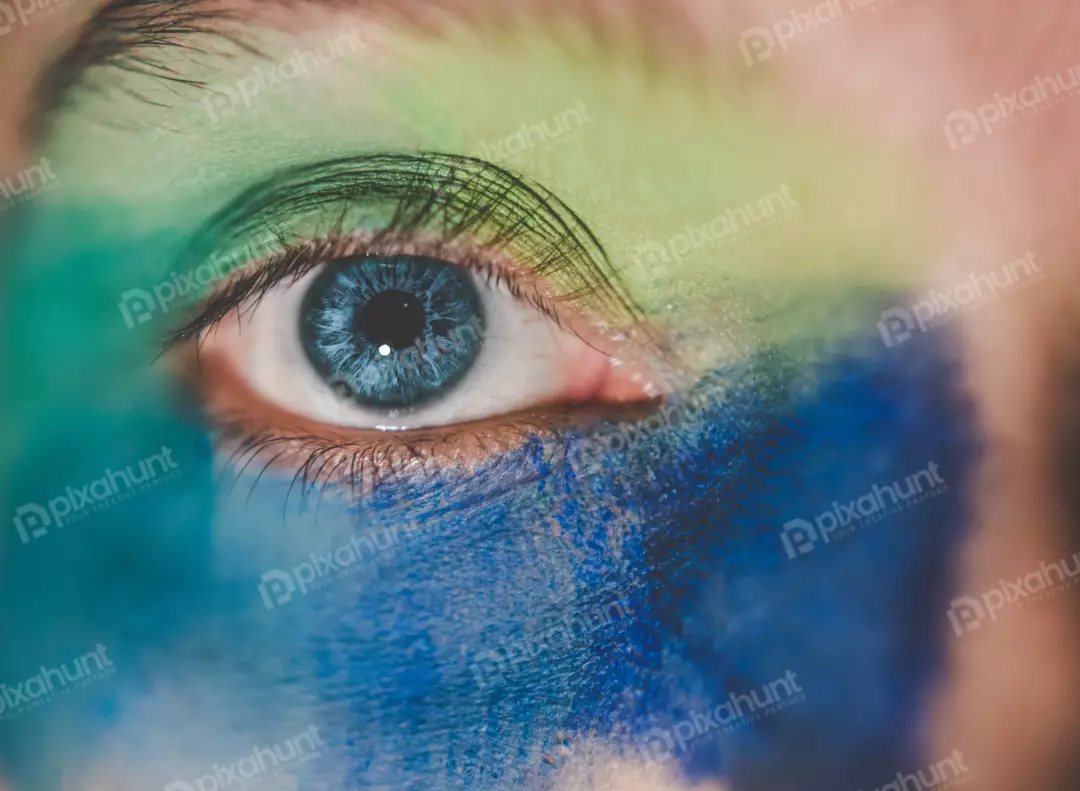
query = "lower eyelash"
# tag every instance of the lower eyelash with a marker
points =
(319, 458)
(360, 467)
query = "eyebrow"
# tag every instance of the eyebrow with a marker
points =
(126, 34)
(131, 35)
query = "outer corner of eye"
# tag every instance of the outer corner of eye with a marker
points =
(399, 342)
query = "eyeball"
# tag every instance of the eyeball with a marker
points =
(405, 341)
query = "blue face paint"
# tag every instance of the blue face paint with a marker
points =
(454, 630)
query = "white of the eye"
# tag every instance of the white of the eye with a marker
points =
(523, 361)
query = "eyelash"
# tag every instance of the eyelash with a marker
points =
(254, 280)
(457, 209)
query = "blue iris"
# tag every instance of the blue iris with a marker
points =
(392, 331)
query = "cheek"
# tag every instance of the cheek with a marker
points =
(460, 627)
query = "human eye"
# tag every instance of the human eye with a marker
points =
(413, 307)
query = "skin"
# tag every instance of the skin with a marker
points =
(850, 122)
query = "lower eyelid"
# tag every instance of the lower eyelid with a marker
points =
(255, 435)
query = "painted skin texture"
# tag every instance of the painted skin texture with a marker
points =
(385, 660)
(726, 610)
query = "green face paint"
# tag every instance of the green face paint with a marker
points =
(735, 224)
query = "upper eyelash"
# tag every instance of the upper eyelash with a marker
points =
(296, 261)
(461, 196)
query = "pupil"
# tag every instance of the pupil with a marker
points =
(392, 318)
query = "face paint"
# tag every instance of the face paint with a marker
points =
(619, 580)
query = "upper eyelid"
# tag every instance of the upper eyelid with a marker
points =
(469, 193)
